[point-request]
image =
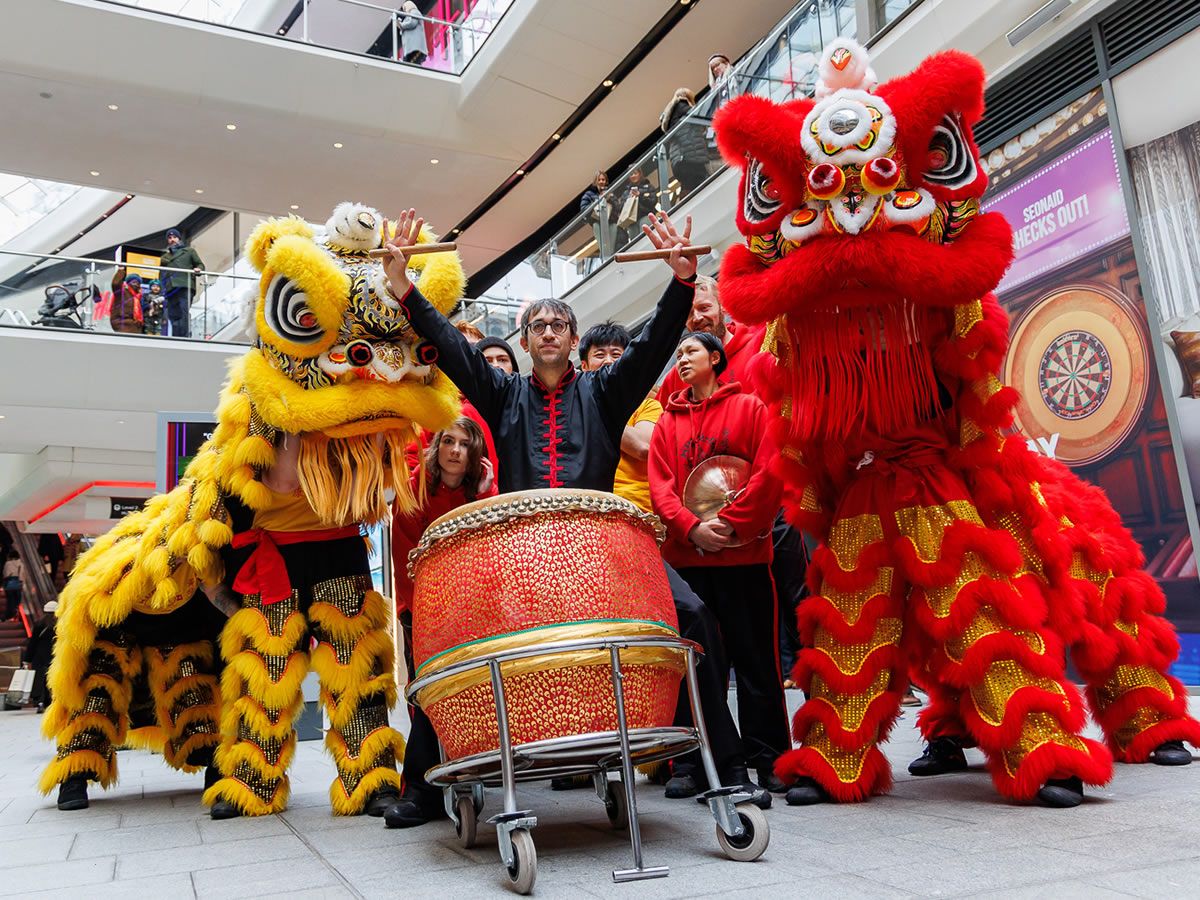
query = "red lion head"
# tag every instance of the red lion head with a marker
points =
(863, 196)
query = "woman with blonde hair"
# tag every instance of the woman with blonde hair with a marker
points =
(687, 148)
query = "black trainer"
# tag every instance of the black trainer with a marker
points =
(211, 776)
(1171, 753)
(942, 755)
(1061, 793)
(72, 793)
(806, 792)
(381, 801)
(408, 813)
(569, 782)
(769, 781)
(681, 786)
(223, 809)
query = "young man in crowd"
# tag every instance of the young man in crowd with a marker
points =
(558, 427)
(499, 354)
(602, 345)
(179, 287)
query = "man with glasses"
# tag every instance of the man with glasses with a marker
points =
(561, 428)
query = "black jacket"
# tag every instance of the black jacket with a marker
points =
(569, 437)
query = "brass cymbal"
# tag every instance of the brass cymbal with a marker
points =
(714, 484)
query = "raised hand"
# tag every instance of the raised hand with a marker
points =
(395, 265)
(664, 236)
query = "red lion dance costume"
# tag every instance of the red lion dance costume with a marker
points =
(949, 550)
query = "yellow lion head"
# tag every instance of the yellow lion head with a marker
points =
(333, 354)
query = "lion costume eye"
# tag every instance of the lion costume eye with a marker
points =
(951, 163)
(287, 312)
(762, 197)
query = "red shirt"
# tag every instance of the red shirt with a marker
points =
(732, 423)
(742, 344)
(408, 528)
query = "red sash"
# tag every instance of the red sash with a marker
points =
(264, 572)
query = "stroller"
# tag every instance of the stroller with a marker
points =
(62, 305)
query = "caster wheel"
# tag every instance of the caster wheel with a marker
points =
(523, 871)
(467, 822)
(616, 804)
(753, 841)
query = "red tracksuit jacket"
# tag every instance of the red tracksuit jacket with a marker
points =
(729, 422)
(743, 343)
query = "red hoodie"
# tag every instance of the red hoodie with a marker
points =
(408, 528)
(742, 344)
(729, 422)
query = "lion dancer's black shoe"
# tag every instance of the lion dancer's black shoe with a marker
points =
(1171, 753)
(1061, 793)
(942, 755)
(807, 792)
(72, 793)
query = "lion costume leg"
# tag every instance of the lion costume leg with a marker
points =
(186, 696)
(89, 716)
(850, 665)
(354, 658)
(265, 651)
(983, 617)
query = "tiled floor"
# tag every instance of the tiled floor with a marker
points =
(949, 836)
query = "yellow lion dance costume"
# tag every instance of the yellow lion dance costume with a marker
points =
(336, 367)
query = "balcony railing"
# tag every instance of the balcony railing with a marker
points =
(380, 29)
(82, 294)
(783, 66)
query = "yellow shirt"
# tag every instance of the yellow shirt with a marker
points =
(632, 480)
(289, 512)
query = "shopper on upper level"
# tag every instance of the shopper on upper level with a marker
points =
(179, 288)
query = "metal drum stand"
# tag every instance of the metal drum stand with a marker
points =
(741, 827)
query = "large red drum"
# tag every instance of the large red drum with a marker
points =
(523, 569)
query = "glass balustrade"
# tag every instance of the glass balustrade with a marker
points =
(381, 28)
(94, 296)
(781, 67)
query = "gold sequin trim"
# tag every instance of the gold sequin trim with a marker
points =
(1144, 717)
(88, 739)
(262, 788)
(850, 658)
(848, 537)
(351, 780)
(850, 603)
(1030, 558)
(1038, 728)
(1130, 678)
(851, 708)
(941, 599)
(1003, 679)
(846, 764)
(1130, 628)
(986, 622)
(370, 716)
(925, 526)
(343, 594)
(274, 614)
(967, 316)
(270, 748)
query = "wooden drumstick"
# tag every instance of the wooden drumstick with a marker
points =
(441, 247)
(639, 255)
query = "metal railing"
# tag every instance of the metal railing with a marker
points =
(448, 46)
(782, 67)
(81, 293)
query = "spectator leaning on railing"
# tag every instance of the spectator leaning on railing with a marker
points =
(413, 46)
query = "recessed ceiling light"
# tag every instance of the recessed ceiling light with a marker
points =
(295, 206)
(113, 107)
(94, 173)
(231, 127)
(607, 82)
(337, 145)
(520, 171)
(434, 161)
(120, 421)
(556, 136)
(199, 190)
(1, 417)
